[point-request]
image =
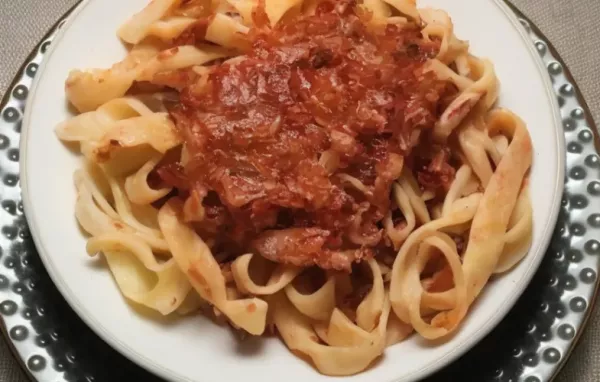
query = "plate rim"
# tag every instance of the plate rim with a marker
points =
(576, 341)
(53, 29)
(130, 353)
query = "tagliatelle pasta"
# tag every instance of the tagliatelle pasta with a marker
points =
(334, 171)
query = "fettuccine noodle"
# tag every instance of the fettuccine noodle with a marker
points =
(431, 248)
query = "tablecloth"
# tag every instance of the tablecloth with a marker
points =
(571, 25)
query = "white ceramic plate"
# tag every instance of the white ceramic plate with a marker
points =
(194, 349)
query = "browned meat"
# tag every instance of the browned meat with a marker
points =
(305, 247)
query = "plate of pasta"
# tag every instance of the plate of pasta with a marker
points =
(308, 188)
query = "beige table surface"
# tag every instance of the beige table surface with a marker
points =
(571, 25)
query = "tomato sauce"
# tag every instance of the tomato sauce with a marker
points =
(255, 128)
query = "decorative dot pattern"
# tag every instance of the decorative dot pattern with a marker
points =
(44, 46)
(11, 114)
(31, 70)
(36, 363)
(555, 68)
(567, 90)
(566, 332)
(592, 161)
(574, 256)
(585, 136)
(528, 345)
(19, 333)
(8, 307)
(594, 220)
(551, 355)
(578, 229)
(20, 92)
(578, 304)
(530, 360)
(592, 247)
(532, 379)
(569, 124)
(588, 275)
(577, 113)
(541, 47)
(578, 173)
(579, 202)
(574, 148)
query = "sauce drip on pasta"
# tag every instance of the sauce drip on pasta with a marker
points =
(293, 147)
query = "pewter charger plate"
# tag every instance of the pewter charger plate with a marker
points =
(530, 344)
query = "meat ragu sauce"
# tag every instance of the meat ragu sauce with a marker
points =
(256, 127)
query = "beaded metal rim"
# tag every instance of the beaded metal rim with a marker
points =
(531, 344)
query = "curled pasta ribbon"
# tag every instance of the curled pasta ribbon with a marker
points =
(397, 236)
(191, 304)
(477, 146)
(123, 133)
(92, 126)
(444, 72)
(340, 331)
(379, 9)
(138, 190)
(193, 210)
(118, 241)
(484, 74)
(87, 90)
(397, 331)
(106, 84)
(370, 309)
(134, 268)
(317, 305)
(415, 196)
(487, 238)
(484, 86)
(356, 348)
(170, 27)
(336, 329)
(157, 20)
(155, 130)
(461, 181)
(90, 209)
(279, 279)
(518, 238)
(96, 216)
(126, 211)
(446, 246)
(276, 9)
(90, 89)
(245, 8)
(179, 57)
(462, 211)
(439, 25)
(196, 261)
(128, 251)
(406, 7)
(464, 184)
(140, 24)
(349, 180)
(410, 201)
(226, 31)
